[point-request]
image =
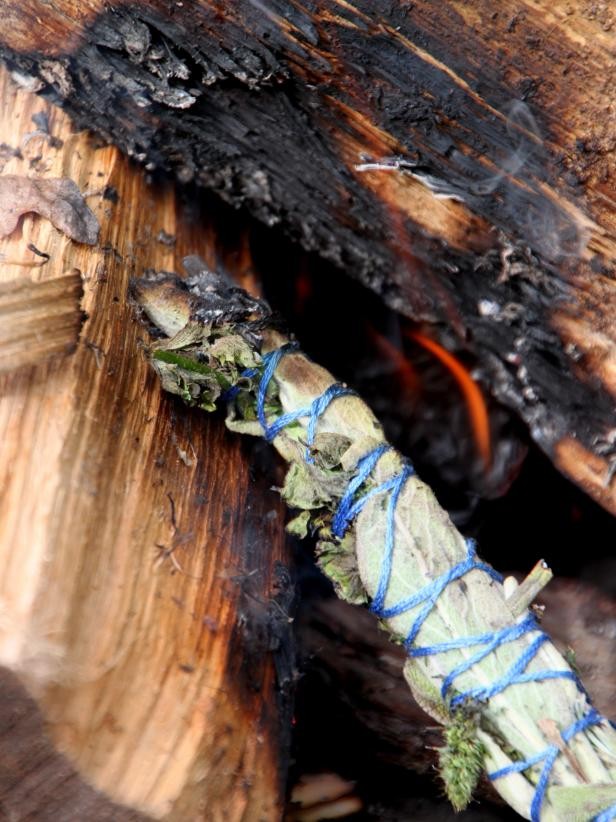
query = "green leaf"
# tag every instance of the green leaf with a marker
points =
(302, 488)
(582, 802)
(188, 364)
(231, 348)
(337, 560)
(461, 758)
(298, 526)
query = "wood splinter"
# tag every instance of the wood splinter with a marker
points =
(521, 596)
(38, 320)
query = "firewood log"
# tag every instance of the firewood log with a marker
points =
(456, 157)
(144, 588)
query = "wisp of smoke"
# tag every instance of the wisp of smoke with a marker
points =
(520, 124)
(543, 224)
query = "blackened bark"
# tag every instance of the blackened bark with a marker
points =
(500, 226)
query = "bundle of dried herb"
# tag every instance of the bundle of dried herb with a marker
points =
(478, 661)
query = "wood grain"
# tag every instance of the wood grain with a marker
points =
(39, 320)
(143, 583)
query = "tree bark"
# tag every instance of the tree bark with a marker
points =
(137, 606)
(500, 227)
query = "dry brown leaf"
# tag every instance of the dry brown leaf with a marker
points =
(57, 199)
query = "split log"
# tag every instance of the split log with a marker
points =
(498, 223)
(137, 607)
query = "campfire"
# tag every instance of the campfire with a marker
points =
(307, 411)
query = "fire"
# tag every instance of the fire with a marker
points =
(475, 402)
(407, 374)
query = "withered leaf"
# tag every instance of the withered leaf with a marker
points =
(57, 199)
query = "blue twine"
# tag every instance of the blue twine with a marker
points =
(607, 815)
(313, 411)
(397, 484)
(549, 756)
(348, 509)
(431, 592)
(249, 373)
(231, 393)
(271, 362)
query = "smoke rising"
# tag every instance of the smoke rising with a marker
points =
(526, 182)
(524, 134)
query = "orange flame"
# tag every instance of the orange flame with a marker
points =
(408, 375)
(478, 412)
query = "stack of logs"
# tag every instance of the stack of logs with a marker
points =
(146, 590)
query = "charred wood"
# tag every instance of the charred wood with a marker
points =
(494, 220)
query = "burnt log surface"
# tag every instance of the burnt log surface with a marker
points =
(501, 228)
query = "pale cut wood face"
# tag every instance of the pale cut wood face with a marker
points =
(134, 594)
(501, 230)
